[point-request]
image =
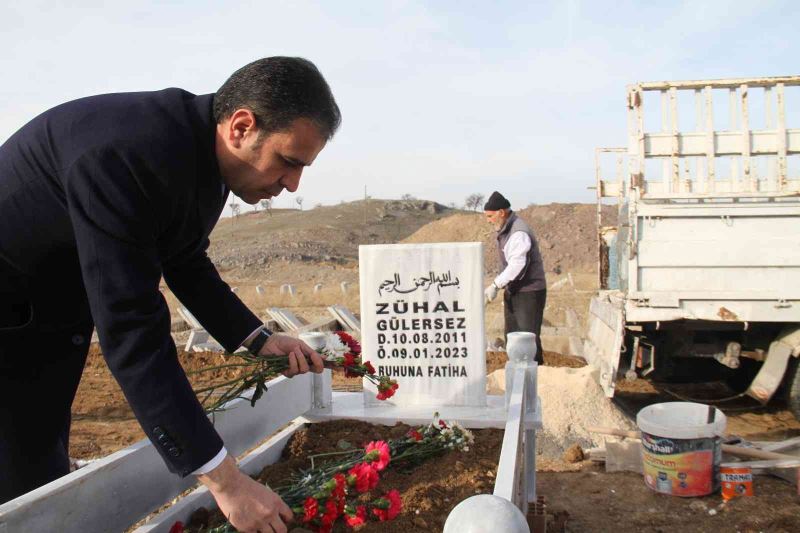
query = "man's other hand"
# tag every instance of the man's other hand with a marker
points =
(248, 505)
(491, 292)
(298, 353)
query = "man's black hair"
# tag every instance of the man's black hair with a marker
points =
(279, 90)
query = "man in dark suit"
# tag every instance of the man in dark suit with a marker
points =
(100, 198)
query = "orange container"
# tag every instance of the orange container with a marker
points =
(735, 481)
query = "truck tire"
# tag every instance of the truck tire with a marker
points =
(793, 387)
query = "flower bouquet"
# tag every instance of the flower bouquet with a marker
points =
(340, 351)
(339, 485)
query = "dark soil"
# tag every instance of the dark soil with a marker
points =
(429, 491)
(593, 500)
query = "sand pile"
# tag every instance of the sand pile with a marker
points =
(571, 401)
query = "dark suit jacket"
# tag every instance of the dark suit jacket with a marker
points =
(104, 195)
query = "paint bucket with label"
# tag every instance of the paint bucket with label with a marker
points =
(735, 481)
(681, 447)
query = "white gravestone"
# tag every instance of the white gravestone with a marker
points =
(422, 322)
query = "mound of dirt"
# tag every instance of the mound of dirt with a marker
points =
(566, 234)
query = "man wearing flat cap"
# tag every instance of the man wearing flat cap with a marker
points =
(522, 276)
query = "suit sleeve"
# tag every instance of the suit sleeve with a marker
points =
(196, 283)
(116, 227)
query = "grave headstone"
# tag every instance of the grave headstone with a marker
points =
(422, 321)
(288, 289)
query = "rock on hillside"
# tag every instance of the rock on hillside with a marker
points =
(566, 234)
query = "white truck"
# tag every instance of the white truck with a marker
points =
(700, 274)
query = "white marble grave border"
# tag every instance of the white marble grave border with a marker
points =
(112, 493)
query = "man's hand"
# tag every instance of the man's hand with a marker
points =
(297, 352)
(491, 292)
(248, 505)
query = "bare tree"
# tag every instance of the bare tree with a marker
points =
(473, 201)
(299, 201)
(407, 197)
(266, 204)
(235, 207)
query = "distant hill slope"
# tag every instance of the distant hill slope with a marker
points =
(330, 235)
(566, 234)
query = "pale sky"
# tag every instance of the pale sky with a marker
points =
(439, 99)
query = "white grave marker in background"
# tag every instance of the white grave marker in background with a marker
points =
(422, 321)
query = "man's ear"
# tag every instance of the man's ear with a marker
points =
(241, 125)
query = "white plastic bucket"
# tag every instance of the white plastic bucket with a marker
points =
(681, 450)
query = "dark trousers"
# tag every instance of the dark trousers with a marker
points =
(43, 347)
(524, 312)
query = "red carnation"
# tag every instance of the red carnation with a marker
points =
(369, 367)
(395, 504)
(380, 450)
(386, 388)
(351, 343)
(331, 513)
(358, 518)
(348, 364)
(442, 424)
(341, 483)
(177, 527)
(414, 434)
(366, 477)
(311, 508)
(388, 507)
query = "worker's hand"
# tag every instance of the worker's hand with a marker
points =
(298, 353)
(491, 292)
(248, 505)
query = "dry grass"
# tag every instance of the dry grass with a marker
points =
(304, 303)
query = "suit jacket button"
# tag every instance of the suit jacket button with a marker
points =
(77, 339)
(158, 432)
(174, 451)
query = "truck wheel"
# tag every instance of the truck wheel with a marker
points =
(793, 387)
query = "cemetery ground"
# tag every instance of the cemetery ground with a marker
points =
(320, 246)
(580, 496)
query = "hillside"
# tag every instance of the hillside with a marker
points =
(255, 243)
(566, 234)
(321, 244)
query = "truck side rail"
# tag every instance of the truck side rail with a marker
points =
(691, 165)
